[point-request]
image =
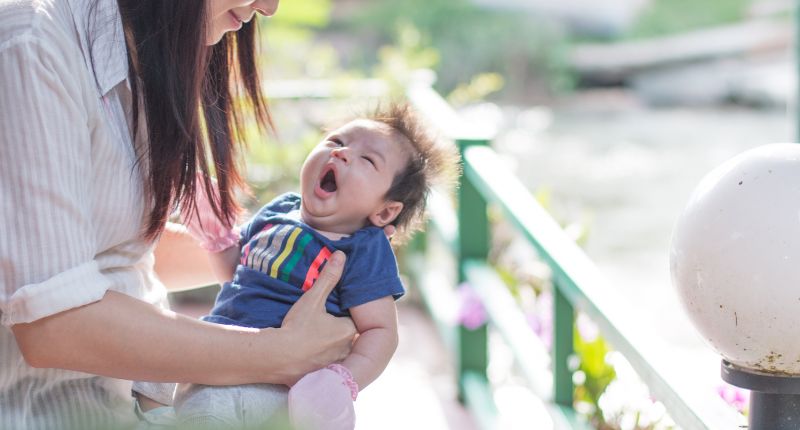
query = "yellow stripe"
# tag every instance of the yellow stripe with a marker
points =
(286, 251)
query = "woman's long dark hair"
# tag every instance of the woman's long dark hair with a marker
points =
(195, 100)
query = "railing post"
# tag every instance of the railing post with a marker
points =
(563, 347)
(473, 243)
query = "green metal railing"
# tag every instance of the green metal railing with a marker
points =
(577, 284)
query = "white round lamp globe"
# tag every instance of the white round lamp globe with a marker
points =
(735, 259)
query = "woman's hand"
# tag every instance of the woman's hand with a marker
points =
(389, 230)
(318, 337)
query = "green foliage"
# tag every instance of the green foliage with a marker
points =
(306, 13)
(664, 17)
(599, 374)
(410, 52)
(475, 51)
(274, 167)
(289, 45)
(509, 279)
(295, 47)
(595, 373)
(471, 40)
(477, 89)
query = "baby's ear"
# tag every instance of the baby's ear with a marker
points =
(386, 213)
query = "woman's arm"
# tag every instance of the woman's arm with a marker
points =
(376, 322)
(125, 338)
(200, 252)
(181, 263)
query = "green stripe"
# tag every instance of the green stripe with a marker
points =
(296, 254)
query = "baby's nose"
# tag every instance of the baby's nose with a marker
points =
(341, 153)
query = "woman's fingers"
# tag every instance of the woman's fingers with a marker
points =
(389, 230)
(319, 292)
(322, 338)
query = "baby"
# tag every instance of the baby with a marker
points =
(368, 174)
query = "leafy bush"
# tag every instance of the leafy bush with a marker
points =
(527, 51)
(663, 17)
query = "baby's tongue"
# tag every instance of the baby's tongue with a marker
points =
(328, 182)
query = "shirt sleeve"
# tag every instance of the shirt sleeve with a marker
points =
(48, 244)
(371, 273)
(283, 204)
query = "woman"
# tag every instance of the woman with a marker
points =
(86, 186)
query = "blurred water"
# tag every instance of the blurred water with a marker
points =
(627, 172)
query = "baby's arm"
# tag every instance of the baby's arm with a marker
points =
(224, 263)
(376, 322)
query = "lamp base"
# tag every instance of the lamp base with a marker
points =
(774, 399)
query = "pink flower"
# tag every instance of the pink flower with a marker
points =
(471, 314)
(542, 327)
(737, 397)
(540, 319)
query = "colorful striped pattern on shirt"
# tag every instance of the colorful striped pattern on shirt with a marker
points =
(278, 250)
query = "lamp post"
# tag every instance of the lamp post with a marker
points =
(735, 263)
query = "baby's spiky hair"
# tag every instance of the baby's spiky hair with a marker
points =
(431, 162)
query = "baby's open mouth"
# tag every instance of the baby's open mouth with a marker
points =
(328, 181)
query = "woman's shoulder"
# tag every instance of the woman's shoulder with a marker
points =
(40, 45)
(34, 21)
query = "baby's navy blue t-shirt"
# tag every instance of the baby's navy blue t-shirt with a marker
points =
(282, 257)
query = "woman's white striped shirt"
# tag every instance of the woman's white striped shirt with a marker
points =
(71, 199)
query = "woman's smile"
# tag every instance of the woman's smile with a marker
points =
(237, 22)
(230, 15)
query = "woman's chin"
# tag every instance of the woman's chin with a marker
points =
(214, 36)
(213, 40)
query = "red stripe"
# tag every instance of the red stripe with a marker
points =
(313, 271)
